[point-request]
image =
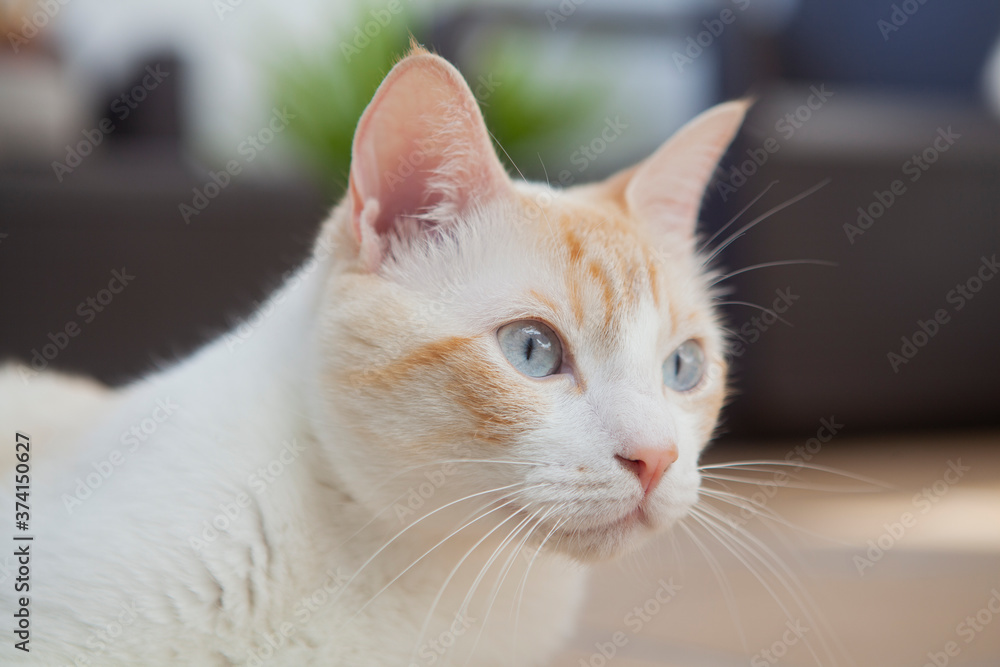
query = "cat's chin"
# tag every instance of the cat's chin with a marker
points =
(607, 541)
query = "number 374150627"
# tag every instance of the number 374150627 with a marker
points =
(22, 481)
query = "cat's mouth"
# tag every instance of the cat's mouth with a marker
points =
(602, 539)
(610, 531)
(637, 518)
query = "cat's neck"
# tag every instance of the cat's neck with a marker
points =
(235, 411)
(236, 468)
(275, 340)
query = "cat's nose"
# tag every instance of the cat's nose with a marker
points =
(648, 464)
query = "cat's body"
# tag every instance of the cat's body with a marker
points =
(308, 490)
(280, 558)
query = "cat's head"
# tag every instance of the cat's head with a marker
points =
(551, 351)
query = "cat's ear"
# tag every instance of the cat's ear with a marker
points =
(421, 154)
(667, 188)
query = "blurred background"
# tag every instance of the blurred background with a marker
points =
(197, 146)
(118, 119)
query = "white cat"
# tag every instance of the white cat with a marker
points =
(472, 377)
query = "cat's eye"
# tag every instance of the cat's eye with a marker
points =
(683, 370)
(531, 347)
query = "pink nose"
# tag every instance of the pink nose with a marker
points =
(649, 464)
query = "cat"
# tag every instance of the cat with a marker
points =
(472, 390)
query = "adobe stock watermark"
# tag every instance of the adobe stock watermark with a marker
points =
(587, 153)
(716, 371)
(697, 44)
(291, 280)
(914, 168)
(7, 567)
(407, 165)
(432, 650)
(794, 632)
(736, 176)
(562, 12)
(971, 627)
(898, 17)
(122, 107)
(131, 440)
(269, 643)
(370, 29)
(417, 496)
(258, 481)
(957, 298)
(262, 311)
(635, 620)
(87, 310)
(225, 7)
(34, 23)
(103, 638)
(248, 149)
(800, 455)
(390, 350)
(923, 502)
(750, 331)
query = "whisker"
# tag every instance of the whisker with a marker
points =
(703, 521)
(524, 580)
(429, 514)
(765, 513)
(757, 462)
(442, 462)
(766, 265)
(769, 519)
(784, 575)
(372, 520)
(418, 467)
(734, 333)
(676, 548)
(451, 575)
(724, 585)
(541, 521)
(754, 305)
(463, 609)
(544, 170)
(828, 632)
(759, 509)
(504, 571)
(736, 217)
(759, 466)
(420, 558)
(764, 216)
(516, 168)
(760, 481)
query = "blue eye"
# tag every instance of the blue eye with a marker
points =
(531, 347)
(683, 370)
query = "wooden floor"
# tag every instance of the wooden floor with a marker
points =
(902, 577)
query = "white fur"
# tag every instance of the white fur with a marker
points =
(128, 545)
(239, 401)
(341, 509)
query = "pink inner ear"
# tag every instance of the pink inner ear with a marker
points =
(395, 154)
(421, 150)
(667, 188)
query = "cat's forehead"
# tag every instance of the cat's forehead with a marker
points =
(579, 262)
(610, 266)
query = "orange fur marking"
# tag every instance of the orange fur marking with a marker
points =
(654, 287)
(603, 280)
(572, 242)
(605, 248)
(575, 299)
(544, 300)
(500, 409)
